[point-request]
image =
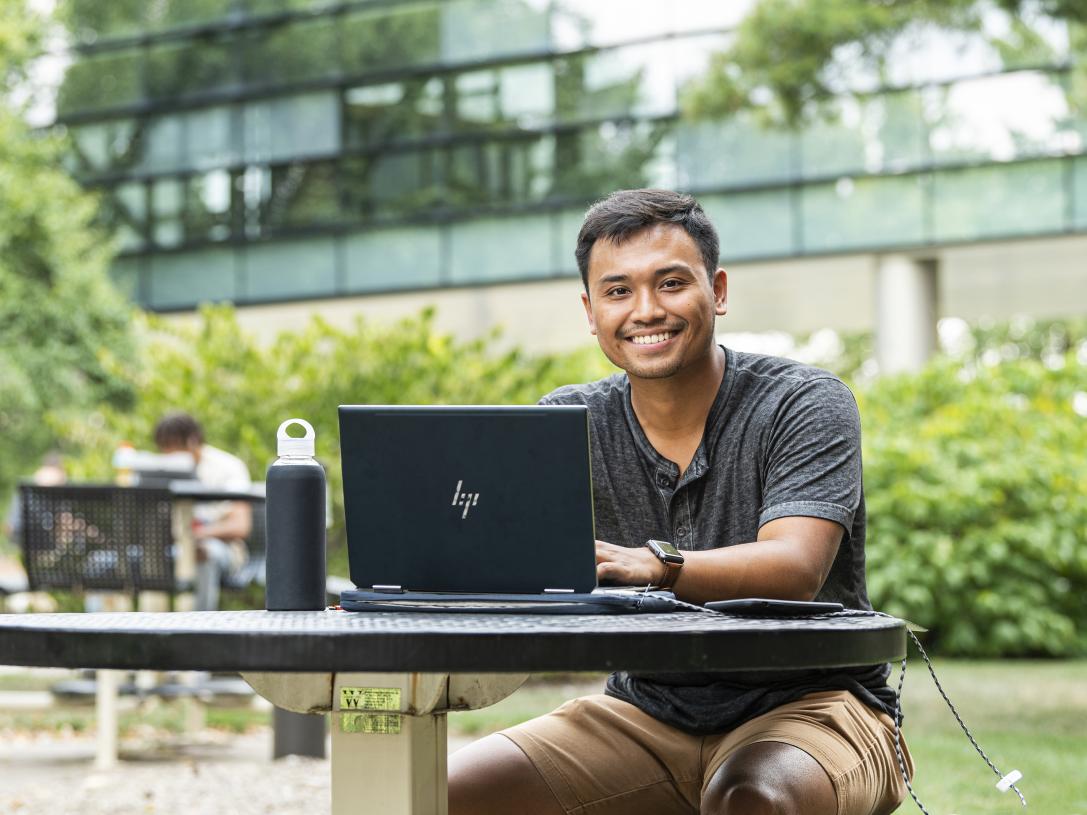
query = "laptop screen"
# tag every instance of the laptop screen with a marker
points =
(468, 499)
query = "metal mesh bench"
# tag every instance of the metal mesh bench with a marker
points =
(98, 538)
(91, 537)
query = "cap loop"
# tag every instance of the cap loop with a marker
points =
(291, 446)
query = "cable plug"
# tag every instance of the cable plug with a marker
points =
(1006, 783)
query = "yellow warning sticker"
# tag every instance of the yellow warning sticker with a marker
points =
(370, 699)
(386, 724)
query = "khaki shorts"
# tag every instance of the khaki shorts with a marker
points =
(601, 755)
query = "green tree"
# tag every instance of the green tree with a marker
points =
(789, 55)
(64, 329)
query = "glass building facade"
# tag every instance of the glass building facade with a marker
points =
(273, 150)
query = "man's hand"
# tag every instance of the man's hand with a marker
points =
(622, 566)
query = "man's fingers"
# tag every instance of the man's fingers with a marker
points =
(606, 551)
(609, 570)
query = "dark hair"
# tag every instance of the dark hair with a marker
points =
(625, 213)
(177, 430)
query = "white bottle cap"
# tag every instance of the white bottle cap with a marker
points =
(290, 446)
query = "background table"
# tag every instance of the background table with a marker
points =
(389, 678)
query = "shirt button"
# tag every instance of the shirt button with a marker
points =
(682, 531)
(664, 481)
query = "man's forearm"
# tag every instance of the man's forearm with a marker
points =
(235, 525)
(790, 561)
(765, 568)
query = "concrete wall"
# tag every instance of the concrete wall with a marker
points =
(1042, 278)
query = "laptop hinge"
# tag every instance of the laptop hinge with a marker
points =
(558, 591)
(388, 589)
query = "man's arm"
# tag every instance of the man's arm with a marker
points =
(790, 560)
(236, 523)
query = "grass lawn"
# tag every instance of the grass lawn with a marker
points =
(1029, 716)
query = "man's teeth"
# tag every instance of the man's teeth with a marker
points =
(650, 339)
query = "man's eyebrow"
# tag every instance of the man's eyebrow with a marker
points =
(620, 277)
(673, 267)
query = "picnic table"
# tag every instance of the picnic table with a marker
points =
(389, 678)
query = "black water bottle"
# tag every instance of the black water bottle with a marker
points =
(295, 507)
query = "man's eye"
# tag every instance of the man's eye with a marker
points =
(618, 290)
(671, 283)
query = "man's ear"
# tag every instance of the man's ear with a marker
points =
(588, 312)
(720, 292)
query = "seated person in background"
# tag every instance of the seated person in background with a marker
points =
(220, 527)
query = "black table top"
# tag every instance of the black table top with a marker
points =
(408, 641)
(199, 491)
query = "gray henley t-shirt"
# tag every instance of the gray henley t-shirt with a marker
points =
(782, 439)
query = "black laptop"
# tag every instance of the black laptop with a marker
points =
(475, 503)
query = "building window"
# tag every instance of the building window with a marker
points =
(390, 37)
(998, 201)
(292, 53)
(392, 184)
(292, 127)
(192, 67)
(111, 79)
(167, 211)
(391, 112)
(209, 206)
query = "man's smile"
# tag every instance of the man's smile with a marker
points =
(655, 339)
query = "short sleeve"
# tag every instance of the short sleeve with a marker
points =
(220, 469)
(237, 475)
(813, 460)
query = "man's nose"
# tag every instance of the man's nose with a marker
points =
(647, 308)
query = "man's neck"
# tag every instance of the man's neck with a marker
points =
(679, 404)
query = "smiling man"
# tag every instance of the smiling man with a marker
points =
(751, 466)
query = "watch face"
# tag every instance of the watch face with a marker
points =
(666, 551)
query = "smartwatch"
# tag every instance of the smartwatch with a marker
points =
(672, 559)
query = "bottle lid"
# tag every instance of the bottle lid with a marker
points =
(290, 446)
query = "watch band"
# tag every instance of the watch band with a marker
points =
(671, 572)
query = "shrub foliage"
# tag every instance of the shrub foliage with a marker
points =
(976, 481)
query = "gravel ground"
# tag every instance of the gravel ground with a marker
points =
(213, 774)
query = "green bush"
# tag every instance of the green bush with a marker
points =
(976, 480)
(240, 389)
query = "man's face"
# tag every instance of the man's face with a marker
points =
(650, 302)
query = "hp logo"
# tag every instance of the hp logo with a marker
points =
(464, 499)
